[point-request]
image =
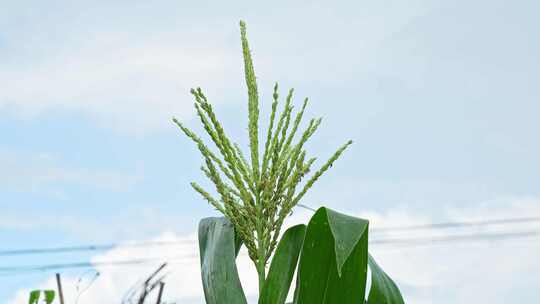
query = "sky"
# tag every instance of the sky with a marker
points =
(441, 99)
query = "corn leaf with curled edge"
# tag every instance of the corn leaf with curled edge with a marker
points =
(383, 290)
(218, 248)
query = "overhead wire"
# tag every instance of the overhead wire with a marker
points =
(58, 266)
(398, 242)
(455, 238)
(97, 247)
(434, 226)
(447, 225)
(461, 224)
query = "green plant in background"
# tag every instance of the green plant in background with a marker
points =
(256, 196)
(35, 295)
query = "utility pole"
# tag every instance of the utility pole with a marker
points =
(59, 284)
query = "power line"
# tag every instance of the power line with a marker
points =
(306, 207)
(99, 247)
(72, 265)
(455, 238)
(13, 270)
(33, 268)
(447, 225)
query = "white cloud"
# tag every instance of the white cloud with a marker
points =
(132, 87)
(135, 77)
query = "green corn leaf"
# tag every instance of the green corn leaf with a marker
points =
(383, 289)
(280, 275)
(218, 249)
(333, 262)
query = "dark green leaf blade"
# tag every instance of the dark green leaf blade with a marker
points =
(283, 265)
(333, 262)
(218, 267)
(383, 289)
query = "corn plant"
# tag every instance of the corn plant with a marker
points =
(256, 191)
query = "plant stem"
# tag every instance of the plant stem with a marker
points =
(262, 275)
(261, 262)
